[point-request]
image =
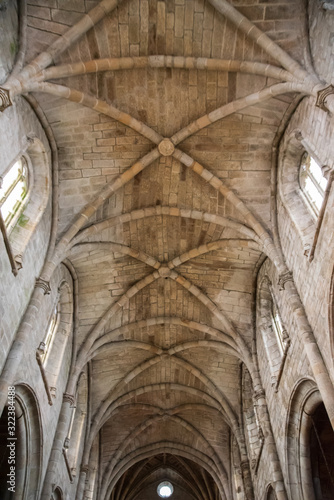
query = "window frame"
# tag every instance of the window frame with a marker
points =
(24, 157)
(306, 173)
(52, 328)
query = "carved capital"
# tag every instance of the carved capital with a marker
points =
(45, 285)
(69, 398)
(260, 394)
(41, 348)
(5, 101)
(53, 392)
(84, 468)
(244, 465)
(283, 278)
(322, 96)
(166, 147)
(18, 261)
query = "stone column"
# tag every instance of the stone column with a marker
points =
(82, 482)
(58, 444)
(275, 465)
(309, 342)
(15, 354)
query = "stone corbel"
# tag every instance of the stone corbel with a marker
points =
(45, 285)
(53, 392)
(5, 101)
(69, 398)
(283, 278)
(323, 94)
(18, 261)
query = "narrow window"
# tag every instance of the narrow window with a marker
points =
(13, 192)
(281, 334)
(312, 182)
(50, 335)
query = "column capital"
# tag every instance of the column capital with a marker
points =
(322, 96)
(5, 101)
(69, 398)
(45, 285)
(283, 278)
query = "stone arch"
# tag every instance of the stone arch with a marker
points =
(270, 494)
(37, 196)
(29, 439)
(331, 315)
(293, 199)
(174, 448)
(304, 401)
(57, 494)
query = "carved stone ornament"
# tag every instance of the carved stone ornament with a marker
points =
(322, 95)
(85, 468)
(53, 392)
(41, 348)
(284, 278)
(45, 285)
(69, 398)
(244, 465)
(166, 147)
(5, 101)
(259, 395)
(18, 261)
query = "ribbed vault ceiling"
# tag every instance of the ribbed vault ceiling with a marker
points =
(166, 264)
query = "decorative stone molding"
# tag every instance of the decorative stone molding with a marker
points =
(5, 101)
(164, 271)
(84, 468)
(69, 398)
(260, 394)
(323, 94)
(53, 392)
(328, 5)
(244, 465)
(166, 147)
(18, 261)
(45, 285)
(41, 348)
(283, 278)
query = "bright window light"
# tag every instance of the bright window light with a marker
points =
(13, 192)
(165, 489)
(312, 182)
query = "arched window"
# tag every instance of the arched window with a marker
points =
(280, 332)
(312, 183)
(13, 192)
(46, 345)
(322, 454)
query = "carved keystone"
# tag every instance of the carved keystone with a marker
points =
(164, 271)
(166, 147)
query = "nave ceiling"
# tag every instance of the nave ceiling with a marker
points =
(166, 263)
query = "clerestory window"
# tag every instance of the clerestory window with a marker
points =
(312, 183)
(13, 192)
(46, 345)
(280, 332)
